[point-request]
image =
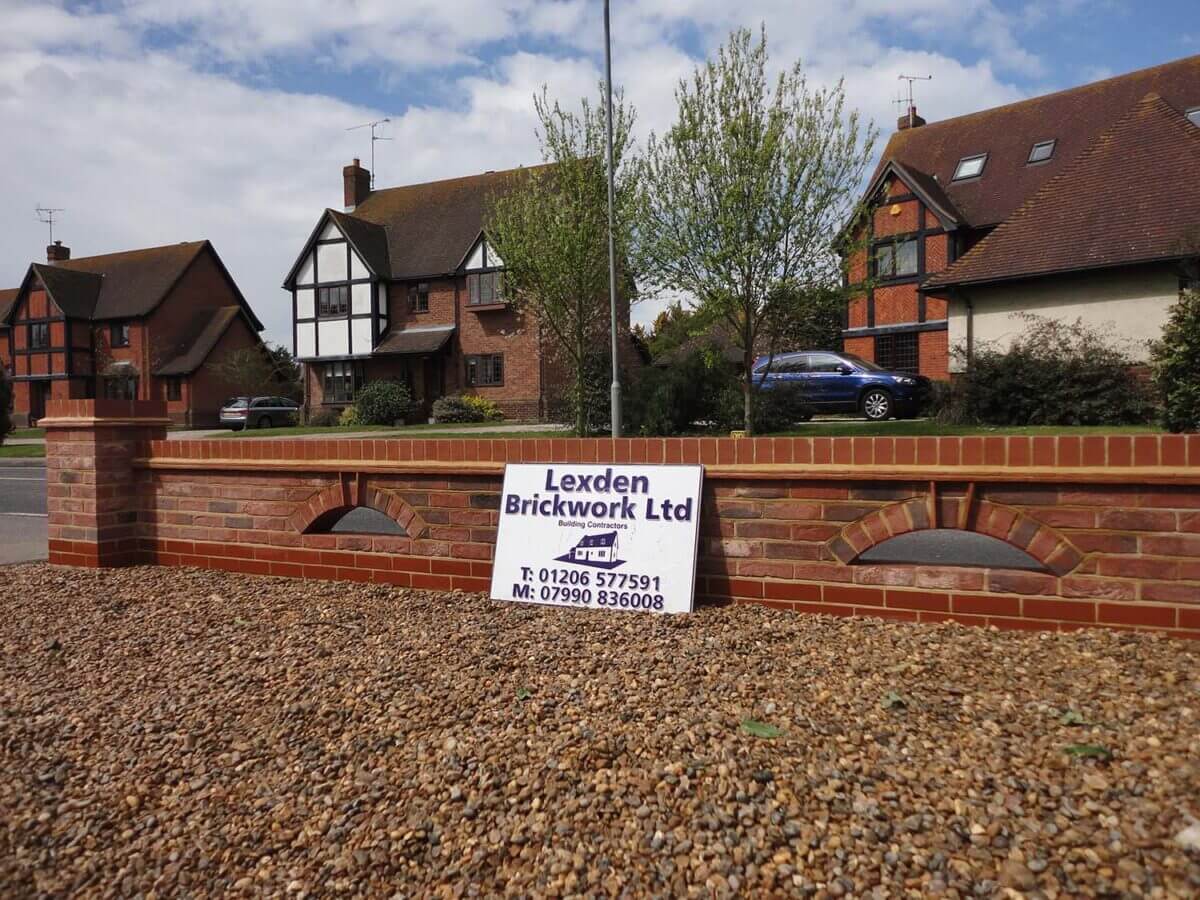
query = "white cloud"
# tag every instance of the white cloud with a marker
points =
(147, 146)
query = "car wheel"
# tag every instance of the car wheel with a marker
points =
(264, 422)
(877, 405)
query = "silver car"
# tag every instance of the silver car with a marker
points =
(259, 412)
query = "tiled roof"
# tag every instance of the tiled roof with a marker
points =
(134, 281)
(75, 292)
(607, 539)
(205, 330)
(430, 227)
(1132, 196)
(415, 341)
(1073, 118)
(7, 298)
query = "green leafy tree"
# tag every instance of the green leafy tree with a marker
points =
(261, 369)
(744, 196)
(1176, 365)
(813, 320)
(551, 231)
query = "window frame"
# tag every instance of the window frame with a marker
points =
(892, 245)
(495, 280)
(982, 159)
(1052, 143)
(42, 329)
(895, 358)
(474, 364)
(128, 383)
(118, 334)
(174, 392)
(418, 298)
(325, 309)
(341, 386)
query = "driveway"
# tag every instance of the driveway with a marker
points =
(22, 513)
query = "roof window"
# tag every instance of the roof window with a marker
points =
(970, 166)
(1041, 151)
(1193, 115)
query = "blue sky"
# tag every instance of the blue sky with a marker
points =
(155, 121)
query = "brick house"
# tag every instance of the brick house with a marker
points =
(403, 285)
(1082, 204)
(139, 324)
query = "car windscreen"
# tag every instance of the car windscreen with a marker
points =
(236, 402)
(866, 364)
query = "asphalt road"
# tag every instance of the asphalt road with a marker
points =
(22, 513)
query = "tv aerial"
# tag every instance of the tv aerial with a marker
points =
(374, 138)
(912, 109)
(45, 215)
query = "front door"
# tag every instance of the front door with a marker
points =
(39, 393)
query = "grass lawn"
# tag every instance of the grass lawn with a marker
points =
(22, 451)
(436, 430)
(27, 433)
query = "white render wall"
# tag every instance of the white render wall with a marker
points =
(1134, 303)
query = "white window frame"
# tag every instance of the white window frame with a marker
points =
(980, 158)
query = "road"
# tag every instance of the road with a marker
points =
(22, 513)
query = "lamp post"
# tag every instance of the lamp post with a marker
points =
(615, 391)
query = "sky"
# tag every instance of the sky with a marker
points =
(151, 122)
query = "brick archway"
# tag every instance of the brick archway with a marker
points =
(328, 505)
(1043, 543)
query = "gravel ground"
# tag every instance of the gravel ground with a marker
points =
(174, 732)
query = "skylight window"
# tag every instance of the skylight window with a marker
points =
(970, 166)
(1041, 151)
(1193, 115)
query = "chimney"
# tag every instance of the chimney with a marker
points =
(909, 120)
(56, 253)
(357, 182)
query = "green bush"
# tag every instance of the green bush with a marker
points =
(1054, 373)
(349, 416)
(323, 418)
(383, 403)
(5, 404)
(465, 408)
(1176, 361)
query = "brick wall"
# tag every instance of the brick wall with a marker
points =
(1113, 519)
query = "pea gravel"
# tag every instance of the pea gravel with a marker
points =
(176, 732)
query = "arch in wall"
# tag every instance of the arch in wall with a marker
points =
(328, 505)
(1041, 542)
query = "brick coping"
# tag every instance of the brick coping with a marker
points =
(766, 472)
(71, 422)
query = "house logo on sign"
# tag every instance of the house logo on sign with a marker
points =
(599, 550)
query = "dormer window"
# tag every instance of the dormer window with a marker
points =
(1193, 115)
(1041, 151)
(970, 167)
(418, 298)
(484, 288)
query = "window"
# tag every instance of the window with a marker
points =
(119, 334)
(174, 388)
(485, 287)
(825, 362)
(418, 298)
(39, 335)
(1193, 115)
(120, 387)
(342, 380)
(485, 370)
(898, 352)
(970, 166)
(333, 301)
(1041, 151)
(896, 259)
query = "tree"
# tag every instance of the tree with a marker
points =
(1176, 364)
(813, 320)
(551, 231)
(744, 196)
(261, 369)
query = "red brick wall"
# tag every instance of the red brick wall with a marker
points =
(934, 352)
(897, 218)
(1114, 519)
(896, 305)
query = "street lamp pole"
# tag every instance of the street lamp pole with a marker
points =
(615, 393)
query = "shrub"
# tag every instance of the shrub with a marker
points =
(5, 403)
(323, 418)
(465, 408)
(383, 403)
(1176, 361)
(1055, 373)
(349, 416)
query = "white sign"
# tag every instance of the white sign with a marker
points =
(599, 536)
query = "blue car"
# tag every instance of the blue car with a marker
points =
(843, 382)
